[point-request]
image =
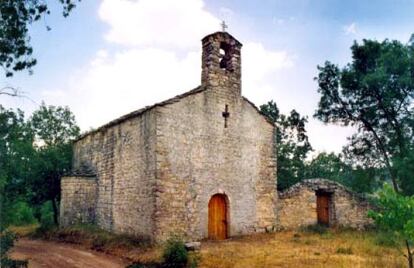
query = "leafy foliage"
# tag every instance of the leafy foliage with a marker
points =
(17, 154)
(15, 18)
(54, 128)
(373, 93)
(34, 155)
(395, 215)
(23, 214)
(175, 254)
(324, 165)
(54, 125)
(334, 167)
(404, 167)
(292, 144)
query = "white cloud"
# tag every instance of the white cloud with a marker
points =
(350, 29)
(115, 84)
(259, 62)
(179, 24)
(155, 61)
(260, 70)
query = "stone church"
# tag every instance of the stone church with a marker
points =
(201, 164)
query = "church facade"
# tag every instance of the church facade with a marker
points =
(201, 164)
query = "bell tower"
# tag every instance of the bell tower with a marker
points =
(221, 64)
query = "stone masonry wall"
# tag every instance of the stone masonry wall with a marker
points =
(199, 157)
(78, 200)
(297, 205)
(297, 210)
(122, 156)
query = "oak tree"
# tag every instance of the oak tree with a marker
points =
(374, 93)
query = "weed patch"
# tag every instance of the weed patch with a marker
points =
(346, 251)
(175, 254)
(315, 229)
(92, 237)
(386, 240)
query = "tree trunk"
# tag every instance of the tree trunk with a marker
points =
(409, 255)
(55, 212)
(380, 144)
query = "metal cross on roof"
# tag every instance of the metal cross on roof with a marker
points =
(224, 26)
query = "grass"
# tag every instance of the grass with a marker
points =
(347, 251)
(24, 230)
(303, 248)
(333, 248)
(90, 236)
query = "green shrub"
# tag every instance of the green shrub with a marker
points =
(175, 254)
(385, 239)
(7, 239)
(22, 214)
(46, 215)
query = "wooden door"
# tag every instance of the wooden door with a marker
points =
(217, 217)
(322, 207)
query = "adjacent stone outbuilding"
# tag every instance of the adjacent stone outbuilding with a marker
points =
(322, 201)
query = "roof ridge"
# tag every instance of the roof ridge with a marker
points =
(142, 111)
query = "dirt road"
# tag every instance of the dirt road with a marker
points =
(50, 254)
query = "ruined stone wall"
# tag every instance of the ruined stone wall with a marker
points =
(122, 156)
(199, 157)
(298, 209)
(351, 210)
(78, 200)
(297, 205)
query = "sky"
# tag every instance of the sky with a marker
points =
(111, 57)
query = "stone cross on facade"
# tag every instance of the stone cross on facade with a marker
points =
(223, 26)
(226, 115)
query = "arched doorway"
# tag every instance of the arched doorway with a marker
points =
(217, 217)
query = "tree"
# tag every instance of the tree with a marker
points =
(16, 156)
(15, 18)
(326, 165)
(395, 214)
(54, 129)
(292, 144)
(404, 167)
(373, 93)
(334, 167)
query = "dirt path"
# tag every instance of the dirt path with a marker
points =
(50, 254)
